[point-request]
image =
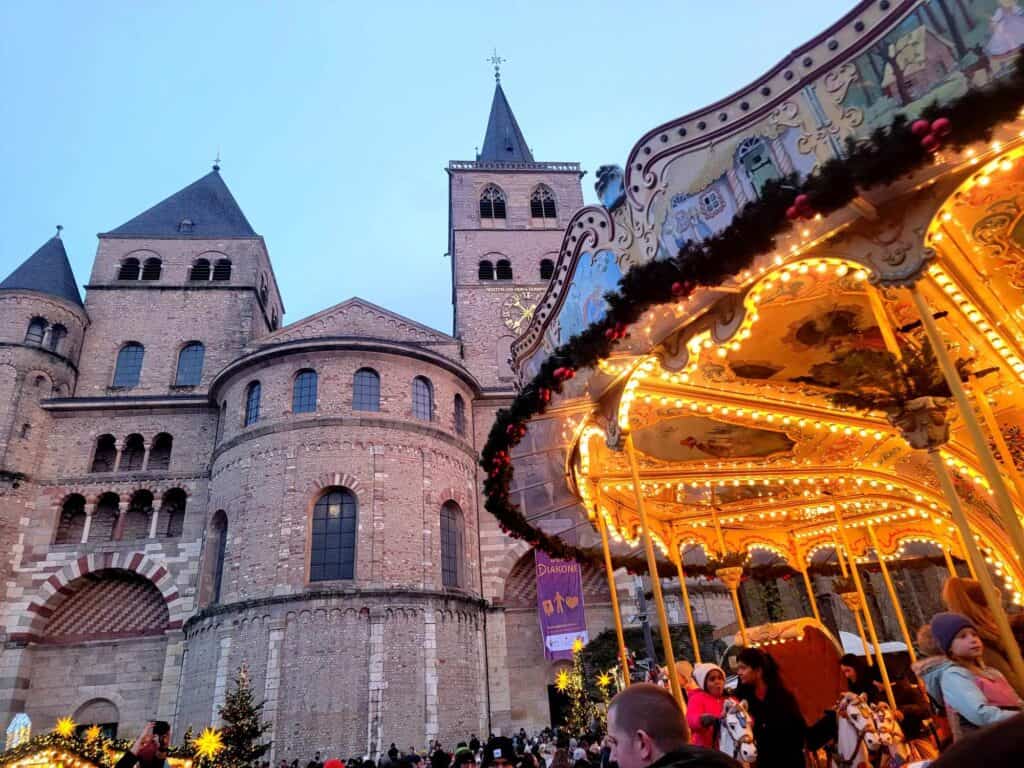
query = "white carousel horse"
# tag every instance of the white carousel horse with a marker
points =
(735, 733)
(900, 751)
(857, 735)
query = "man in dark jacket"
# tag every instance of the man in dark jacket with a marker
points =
(647, 729)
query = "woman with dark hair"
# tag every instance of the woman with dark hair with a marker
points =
(779, 728)
(860, 678)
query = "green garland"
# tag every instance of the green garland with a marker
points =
(93, 751)
(887, 155)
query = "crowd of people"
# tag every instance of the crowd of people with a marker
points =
(962, 695)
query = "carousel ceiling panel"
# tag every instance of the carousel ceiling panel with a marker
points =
(696, 438)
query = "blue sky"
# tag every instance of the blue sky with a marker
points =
(335, 120)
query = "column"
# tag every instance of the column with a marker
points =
(272, 685)
(431, 725)
(89, 510)
(220, 680)
(614, 593)
(154, 518)
(118, 447)
(145, 455)
(173, 658)
(122, 517)
(375, 712)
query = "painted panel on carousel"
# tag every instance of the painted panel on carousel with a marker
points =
(596, 274)
(935, 53)
(695, 438)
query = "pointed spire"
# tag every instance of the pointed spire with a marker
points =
(46, 271)
(503, 141)
(204, 209)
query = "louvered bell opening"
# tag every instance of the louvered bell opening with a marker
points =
(200, 271)
(486, 209)
(549, 209)
(499, 209)
(485, 271)
(151, 269)
(129, 270)
(222, 270)
(536, 209)
(547, 269)
(504, 270)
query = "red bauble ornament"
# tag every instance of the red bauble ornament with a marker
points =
(942, 127)
(802, 201)
(921, 128)
(792, 213)
(930, 142)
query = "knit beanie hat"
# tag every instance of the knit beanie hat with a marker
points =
(701, 672)
(945, 627)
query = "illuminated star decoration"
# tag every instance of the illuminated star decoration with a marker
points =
(562, 680)
(65, 727)
(604, 680)
(92, 733)
(209, 743)
(577, 645)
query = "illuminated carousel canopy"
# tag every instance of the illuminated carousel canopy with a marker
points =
(794, 325)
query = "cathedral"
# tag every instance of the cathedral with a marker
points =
(189, 485)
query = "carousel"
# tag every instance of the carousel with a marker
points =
(822, 363)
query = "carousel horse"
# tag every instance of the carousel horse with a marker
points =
(857, 735)
(735, 733)
(900, 752)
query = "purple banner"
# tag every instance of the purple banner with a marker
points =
(560, 605)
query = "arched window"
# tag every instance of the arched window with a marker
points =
(275, 322)
(451, 545)
(129, 269)
(129, 365)
(160, 452)
(219, 547)
(136, 523)
(333, 554)
(36, 331)
(460, 415)
(57, 335)
(104, 518)
(102, 713)
(422, 398)
(172, 513)
(72, 521)
(366, 390)
(263, 289)
(252, 404)
(222, 270)
(542, 203)
(485, 271)
(492, 203)
(547, 269)
(503, 270)
(200, 270)
(132, 453)
(304, 392)
(190, 365)
(222, 421)
(105, 454)
(151, 269)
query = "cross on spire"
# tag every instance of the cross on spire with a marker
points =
(497, 61)
(216, 160)
(59, 228)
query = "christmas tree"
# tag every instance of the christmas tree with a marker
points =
(574, 685)
(243, 727)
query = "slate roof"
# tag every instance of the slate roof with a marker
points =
(503, 142)
(46, 271)
(207, 204)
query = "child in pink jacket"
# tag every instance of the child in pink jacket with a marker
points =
(704, 708)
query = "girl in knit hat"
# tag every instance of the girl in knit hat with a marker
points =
(704, 709)
(978, 695)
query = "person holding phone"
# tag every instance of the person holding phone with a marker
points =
(150, 749)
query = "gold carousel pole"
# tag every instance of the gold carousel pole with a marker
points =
(686, 604)
(947, 552)
(867, 612)
(802, 567)
(610, 572)
(892, 595)
(981, 448)
(652, 567)
(974, 554)
(733, 584)
(853, 610)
